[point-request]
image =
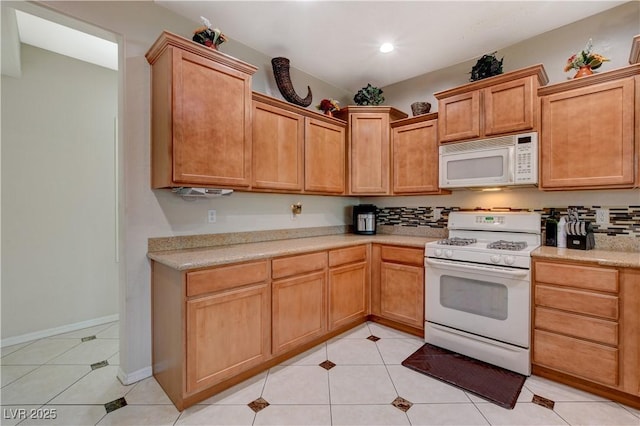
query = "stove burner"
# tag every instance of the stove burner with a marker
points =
(458, 241)
(507, 245)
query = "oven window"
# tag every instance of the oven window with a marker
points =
(473, 296)
(473, 168)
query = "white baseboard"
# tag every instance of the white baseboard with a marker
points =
(136, 376)
(10, 341)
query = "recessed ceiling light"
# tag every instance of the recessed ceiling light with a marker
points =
(386, 47)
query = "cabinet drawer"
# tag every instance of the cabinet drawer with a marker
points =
(410, 256)
(588, 328)
(586, 277)
(583, 302)
(226, 277)
(588, 360)
(347, 255)
(295, 265)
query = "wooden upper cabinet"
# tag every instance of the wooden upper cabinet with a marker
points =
(415, 155)
(494, 106)
(324, 157)
(369, 147)
(296, 150)
(201, 115)
(589, 131)
(278, 138)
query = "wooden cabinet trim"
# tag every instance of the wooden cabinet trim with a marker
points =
(343, 256)
(403, 255)
(596, 78)
(226, 277)
(283, 267)
(167, 39)
(535, 70)
(579, 276)
(588, 360)
(579, 326)
(578, 301)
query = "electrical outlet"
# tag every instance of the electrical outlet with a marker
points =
(211, 216)
(437, 214)
(602, 216)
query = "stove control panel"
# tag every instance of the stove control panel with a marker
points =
(490, 220)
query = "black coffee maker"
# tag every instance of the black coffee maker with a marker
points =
(364, 219)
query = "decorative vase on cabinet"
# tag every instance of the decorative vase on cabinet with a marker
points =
(583, 71)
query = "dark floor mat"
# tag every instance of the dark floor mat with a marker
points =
(487, 381)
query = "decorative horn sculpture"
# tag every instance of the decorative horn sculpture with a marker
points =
(283, 79)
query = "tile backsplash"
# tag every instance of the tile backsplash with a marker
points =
(624, 221)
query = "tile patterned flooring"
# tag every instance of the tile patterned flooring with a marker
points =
(366, 385)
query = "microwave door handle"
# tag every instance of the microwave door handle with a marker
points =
(511, 162)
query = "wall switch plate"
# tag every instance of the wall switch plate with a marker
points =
(211, 216)
(602, 216)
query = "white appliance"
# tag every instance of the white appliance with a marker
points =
(478, 287)
(503, 161)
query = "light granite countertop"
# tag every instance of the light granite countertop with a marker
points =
(619, 259)
(195, 258)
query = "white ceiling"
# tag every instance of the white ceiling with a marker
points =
(338, 41)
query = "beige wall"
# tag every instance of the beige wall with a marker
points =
(58, 195)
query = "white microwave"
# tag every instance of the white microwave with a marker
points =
(503, 161)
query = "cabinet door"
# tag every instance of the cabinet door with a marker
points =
(509, 107)
(211, 122)
(278, 138)
(324, 157)
(227, 333)
(459, 117)
(299, 310)
(415, 158)
(587, 137)
(369, 153)
(348, 294)
(402, 293)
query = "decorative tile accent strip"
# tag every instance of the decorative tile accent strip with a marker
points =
(115, 404)
(258, 405)
(213, 240)
(99, 364)
(327, 365)
(542, 401)
(402, 404)
(88, 338)
(624, 221)
(373, 338)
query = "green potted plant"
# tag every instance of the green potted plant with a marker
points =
(369, 95)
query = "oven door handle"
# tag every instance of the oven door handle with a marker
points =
(476, 268)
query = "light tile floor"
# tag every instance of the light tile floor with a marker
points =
(54, 376)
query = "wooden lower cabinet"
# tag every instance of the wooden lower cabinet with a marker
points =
(226, 334)
(220, 331)
(586, 327)
(397, 286)
(299, 298)
(348, 286)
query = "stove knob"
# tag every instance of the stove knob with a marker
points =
(509, 260)
(438, 252)
(448, 253)
(495, 258)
